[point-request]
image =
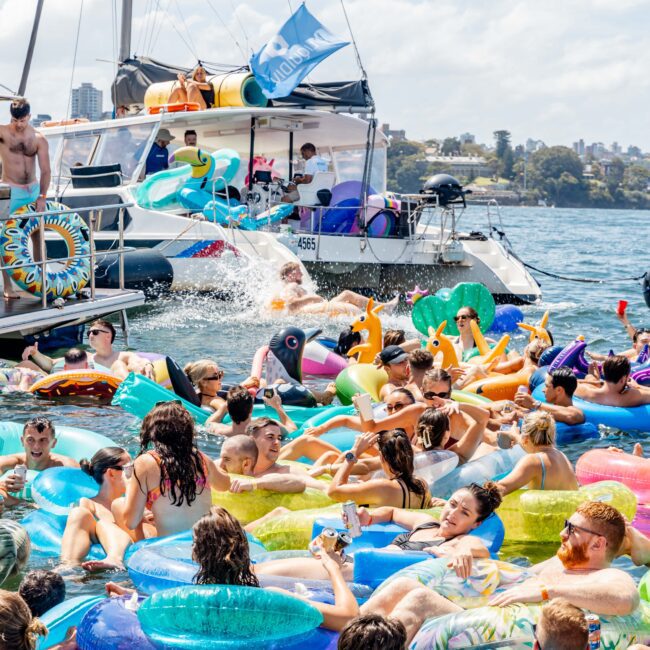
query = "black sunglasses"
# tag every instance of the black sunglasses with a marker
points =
(570, 528)
(431, 394)
(394, 407)
(217, 377)
(95, 332)
(461, 317)
(169, 401)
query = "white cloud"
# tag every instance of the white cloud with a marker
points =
(552, 70)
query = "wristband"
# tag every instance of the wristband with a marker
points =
(370, 521)
(544, 593)
(42, 196)
(536, 404)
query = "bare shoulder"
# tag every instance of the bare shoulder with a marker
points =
(11, 460)
(63, 461)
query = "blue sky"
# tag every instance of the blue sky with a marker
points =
(550, 70)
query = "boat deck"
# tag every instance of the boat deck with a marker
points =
(26, 315)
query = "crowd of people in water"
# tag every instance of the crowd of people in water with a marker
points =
(167, 487)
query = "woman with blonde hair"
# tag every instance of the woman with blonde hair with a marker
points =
(195, 90)
(544, 467)
(19, 630)
(206, 377)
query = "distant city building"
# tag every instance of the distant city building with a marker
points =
(579, 147)
(40, 118)
(467, 138)
(634, 152)
(394, 134)
(534, 145)
(616, 148)
(87, 102)
(470, 166)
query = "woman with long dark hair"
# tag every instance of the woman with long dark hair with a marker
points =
(173, 479)
(92, 520)
(220, 548)
(401, 488)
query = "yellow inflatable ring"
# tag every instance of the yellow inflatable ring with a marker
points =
(63, 280)
(538, 515)
(77, 383)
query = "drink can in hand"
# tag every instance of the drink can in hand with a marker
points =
(593, 623)
(21, 470)
(326, 541)
(351, 519)
(523, 389)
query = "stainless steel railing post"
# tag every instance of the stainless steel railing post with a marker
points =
(91, 230)
(120, 225)
(43, 262)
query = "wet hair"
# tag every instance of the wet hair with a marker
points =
(221, 550)
(261, 423)
(308, 146)
(405, 391)
(74, 356)
(473, 314)
(431, 428)
(19, 630)
(421, 360)
(396, 449)
(535, 348)
(106, 458)
(637, 333)
(565, 378)
(287, 268)
(607, 521)
(539, 426)
(196, 371)
(19, 108)
(239, 403)
(563, 625)
(347, 339)
(438, 374)
(170, 428)
(373, 632)
(41, 424)
(615, 368)
(42, 590)
(488, 498)
(104, 323)
(246, 446)
(394, 337)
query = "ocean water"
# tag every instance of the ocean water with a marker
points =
(599, 244)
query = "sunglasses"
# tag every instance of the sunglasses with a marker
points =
(394, 407)
(571, 528)
(217, 377)
(461, 317)
(430, 395)
(96, 332)
(127, 469)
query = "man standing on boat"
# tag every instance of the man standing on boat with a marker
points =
(313, 164)
(20, 146)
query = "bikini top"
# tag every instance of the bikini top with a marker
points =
(541, 460)
(154, 494)
(424, 498)
(403, 541)
(208, 96)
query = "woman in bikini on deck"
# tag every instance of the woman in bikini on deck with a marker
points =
(173, 479)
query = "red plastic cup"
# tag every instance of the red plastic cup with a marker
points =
(622, 306)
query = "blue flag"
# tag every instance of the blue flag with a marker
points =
(300, 45)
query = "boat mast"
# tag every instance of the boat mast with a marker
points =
(125, 30)
(30, 49)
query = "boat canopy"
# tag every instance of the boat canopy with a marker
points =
(135, 75)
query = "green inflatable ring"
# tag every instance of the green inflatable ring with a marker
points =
(644, 587)
(430, 311)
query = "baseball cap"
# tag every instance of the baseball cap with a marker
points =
(393, 354)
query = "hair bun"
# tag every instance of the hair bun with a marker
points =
(493, 493)
(86, 466)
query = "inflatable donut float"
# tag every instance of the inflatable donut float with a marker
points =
(77, 383)
(63, 280)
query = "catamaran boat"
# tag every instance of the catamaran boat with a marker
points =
(390, 243)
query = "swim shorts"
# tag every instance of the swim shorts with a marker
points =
(22, 195)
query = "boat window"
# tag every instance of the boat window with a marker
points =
(350, 163)
(124, 145)
(75, 152)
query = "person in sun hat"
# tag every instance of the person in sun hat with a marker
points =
(158, 158)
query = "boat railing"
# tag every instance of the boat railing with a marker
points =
(94, 216)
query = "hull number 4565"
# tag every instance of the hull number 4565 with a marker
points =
(307, 243)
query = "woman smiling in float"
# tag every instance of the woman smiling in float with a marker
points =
(448, 536)
(206, 377)
(544, 467)
(92, 520)
(173, 479)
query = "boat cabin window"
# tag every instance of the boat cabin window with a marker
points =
(71, 150)
(125, 145)
(349, 166)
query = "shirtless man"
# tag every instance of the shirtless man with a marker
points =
(38, 439)
(559, 387)
(640, 338)
(297, 299)
(267, 435)
(239, 406)
(581, 572)
(239, 456)
(20, 146)
(615, 390)
(101, 336)
(420, 362)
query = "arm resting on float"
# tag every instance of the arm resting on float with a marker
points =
(345, 607)
(522, 474)
(285, 483)
(217, 478)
